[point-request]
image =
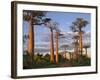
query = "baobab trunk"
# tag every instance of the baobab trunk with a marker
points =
(51, 47)
(31, 41)
(57, 47)
(80, 43)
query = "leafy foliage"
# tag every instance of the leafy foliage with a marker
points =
(36, 16)
(41, 61)
(78, 24)
(82, 61)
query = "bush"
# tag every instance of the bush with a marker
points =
(82, 61)
(47, 57)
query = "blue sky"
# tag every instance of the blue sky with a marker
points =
(64, 19)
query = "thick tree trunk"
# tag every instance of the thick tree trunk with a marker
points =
(31, 41)
(57, 47)
(51, 47)
(80, 43)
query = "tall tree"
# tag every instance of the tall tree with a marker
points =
(57, 47)
(57, 35)
(53, 26)
(33, 18)
(77, 26)
(48, 24)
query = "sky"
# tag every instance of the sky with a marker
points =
(64, 19)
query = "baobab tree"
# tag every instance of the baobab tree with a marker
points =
(52, 26)
(57, 35)
(77, 26)
(33, 18)
(57, 47)
(47, 23)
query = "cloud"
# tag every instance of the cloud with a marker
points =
(87, 34)
(41, 50)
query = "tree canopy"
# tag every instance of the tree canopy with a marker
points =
(78, 24)
(36, 16)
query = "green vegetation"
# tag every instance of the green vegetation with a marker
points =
(41, 61)
(82, 61)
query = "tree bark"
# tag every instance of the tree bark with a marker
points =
(51, 47)
(31, 41)
(80, 43)
(57, 47)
